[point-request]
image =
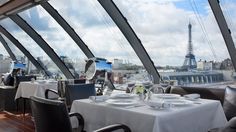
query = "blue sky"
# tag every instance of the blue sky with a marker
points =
(160, 24)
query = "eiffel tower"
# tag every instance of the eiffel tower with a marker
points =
(189, 62)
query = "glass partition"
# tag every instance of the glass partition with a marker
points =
(166, 29)
(32, 47)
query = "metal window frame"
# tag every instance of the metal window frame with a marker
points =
(225, 31)
(130, 35)
(71, 32)
(16, 6)
(22, 49)
(43, 44)
(9, 51)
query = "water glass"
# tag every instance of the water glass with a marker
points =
(93, 99)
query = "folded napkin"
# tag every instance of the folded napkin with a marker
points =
(192, 96)
(99, 98)
(158, 104)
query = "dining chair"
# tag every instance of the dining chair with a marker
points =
(229, 104)
(78, 91)
(229, 127)
(52, 116)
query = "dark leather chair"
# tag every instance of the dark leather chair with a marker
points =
(229, 127)
(22, 79)
(229, 104)
(52, 116)
(78, 91)
(79, 81)
(113, 128)
(74, 92)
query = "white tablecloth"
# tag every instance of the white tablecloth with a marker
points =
(27, 89)
(193, 118)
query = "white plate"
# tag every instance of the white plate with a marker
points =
(124, 96)
(166, 96)
(121, 102)
(41, 81)
(179, 102)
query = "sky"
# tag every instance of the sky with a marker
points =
(161, 25)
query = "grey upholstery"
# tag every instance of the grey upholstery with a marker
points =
(205, 93)
(229, 104)
(229, 127)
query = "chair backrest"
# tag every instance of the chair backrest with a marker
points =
(79, 81)
(22, 79)
(78, 91)
(229, 104)
(205, 93)
(50, 115)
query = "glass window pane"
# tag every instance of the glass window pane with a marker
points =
(102, 36)
(165, 35)
(3, 50)
(5, 60)
(56, 37)
(30, 68)
(228, 8)
(31, 46)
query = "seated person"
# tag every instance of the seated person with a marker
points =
(8, 80)
(9, 77)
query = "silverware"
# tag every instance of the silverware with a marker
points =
(134, 106)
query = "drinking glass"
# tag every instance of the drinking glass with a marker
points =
(130, 87)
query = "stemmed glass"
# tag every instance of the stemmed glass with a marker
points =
(130, 87)
(148, 86)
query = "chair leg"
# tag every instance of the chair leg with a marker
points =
(24, 107)
(17, 105)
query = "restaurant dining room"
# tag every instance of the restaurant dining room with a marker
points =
(117, 65)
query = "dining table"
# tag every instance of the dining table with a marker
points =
(198, 116)
(34, 88)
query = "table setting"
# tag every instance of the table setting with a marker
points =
(153, 114)
(155, 101)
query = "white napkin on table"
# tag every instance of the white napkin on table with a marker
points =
(192, 96)
(99, 98)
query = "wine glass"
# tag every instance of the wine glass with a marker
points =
(148, 86)
(130, 87)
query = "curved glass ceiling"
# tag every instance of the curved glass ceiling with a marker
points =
(96, 29)
(56, 37)
(102, 36)
(31, 46)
